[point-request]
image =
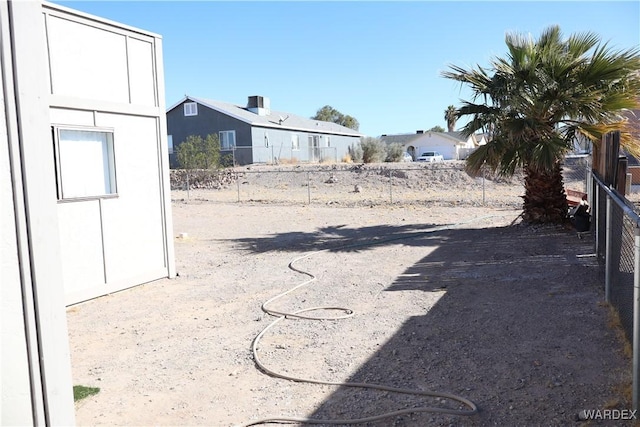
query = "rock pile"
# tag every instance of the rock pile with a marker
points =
(203, 179)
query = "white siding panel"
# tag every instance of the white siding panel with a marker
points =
(74, 117)
(133, 227)
(15, 392)
(87, 62)
(141, 74)
(81, 245)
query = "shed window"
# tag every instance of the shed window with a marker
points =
(227, 139)
(295, 142)
(190, 109)
(85, 163)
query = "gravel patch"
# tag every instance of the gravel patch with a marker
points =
(451, 298)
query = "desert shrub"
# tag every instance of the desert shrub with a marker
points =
(199, 153)
(288, 161)
(394, 152)
(355, 153)
(373, 150)
(327, 160)
(226, 160)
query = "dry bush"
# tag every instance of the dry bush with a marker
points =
(373, 150)
(288, 161)
(394, 151)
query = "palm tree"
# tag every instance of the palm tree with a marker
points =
(534, 103)
(450, 117)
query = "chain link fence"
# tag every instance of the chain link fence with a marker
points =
(445, 183)
(361, 184)
(617, 246)
(276, 155)
(575, 172)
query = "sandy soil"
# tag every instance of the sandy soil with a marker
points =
(449, 297)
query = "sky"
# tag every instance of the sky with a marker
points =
(380, 62)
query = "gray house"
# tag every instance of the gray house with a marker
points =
(256, 134)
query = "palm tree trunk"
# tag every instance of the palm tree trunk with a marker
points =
(544, 199)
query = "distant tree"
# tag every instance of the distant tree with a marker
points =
(436, 129)
(350, 122)
(330, 114)
(451, 117)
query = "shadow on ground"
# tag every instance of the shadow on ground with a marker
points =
(520, 328)
(342, 238)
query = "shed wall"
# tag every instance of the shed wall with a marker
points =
(35, 366)
(16, 387)
(114, 241)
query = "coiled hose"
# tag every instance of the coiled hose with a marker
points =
(299, 314)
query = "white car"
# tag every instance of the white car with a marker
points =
(430, 156)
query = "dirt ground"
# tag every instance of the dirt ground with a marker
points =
(447, 297)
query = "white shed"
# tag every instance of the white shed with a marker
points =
(108, 127)
(84, 192)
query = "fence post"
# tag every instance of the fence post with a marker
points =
(238, 185)
(596, 213)
(308, 187)
(483, 197)
(188, 184)
(390, 186)
(607, 254)
(636, 319)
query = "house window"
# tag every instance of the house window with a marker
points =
(328, 141)
(190, 109)
(314, 148)
(266, 139)
(227, 139)
(85, 163)
(295, 142)
(170, 143)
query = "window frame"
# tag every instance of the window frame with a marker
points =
(190, 109)
(230, 147)
(295, 142)
(59, 163)
(170, 144)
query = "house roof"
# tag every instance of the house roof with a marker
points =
(404, 138)
(272, 120)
